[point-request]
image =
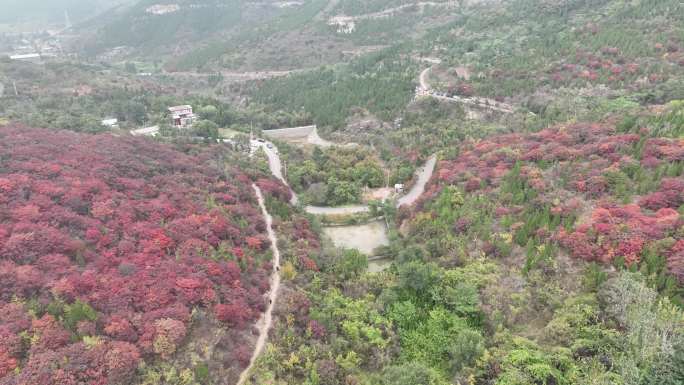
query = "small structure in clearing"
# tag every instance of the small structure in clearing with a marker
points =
(110, 122)
(147, 131)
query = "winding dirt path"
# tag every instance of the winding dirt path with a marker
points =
(266, 321)
(423, 79)
(486, 103)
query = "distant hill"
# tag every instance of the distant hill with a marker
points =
(258, 35)
(52, 11)
(149, 27)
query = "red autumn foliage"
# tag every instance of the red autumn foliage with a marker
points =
(234, 314)
(123, 225)
(7, 363)
(619, 231)
(587, 154)
(670, 194)
(675, 260)
(317, 329)
(307, 263)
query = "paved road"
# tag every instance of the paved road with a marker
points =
(486, 103)
(274, 163)
(418, 189)
(266, 321)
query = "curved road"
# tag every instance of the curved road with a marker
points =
(423, 79)
(266, 321)
(486, 103)
(424, 174)
(418, 189)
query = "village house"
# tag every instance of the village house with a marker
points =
(182, 116)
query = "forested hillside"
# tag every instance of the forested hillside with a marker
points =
(205, 28)
(381, 82)
(547, 248)
(119, 256)
(259, 35)
(532, 50)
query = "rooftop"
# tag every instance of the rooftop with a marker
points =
(180, 108)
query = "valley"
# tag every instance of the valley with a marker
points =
(342, 192)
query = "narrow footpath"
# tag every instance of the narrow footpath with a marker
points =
(266, 321)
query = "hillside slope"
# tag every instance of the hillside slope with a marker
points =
(258, 35)
(116, 252)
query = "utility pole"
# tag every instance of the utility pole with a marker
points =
(16, 93)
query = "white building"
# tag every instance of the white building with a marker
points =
(182, 116)
(28, 56)
(110, 122)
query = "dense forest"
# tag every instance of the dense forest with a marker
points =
(116, 250)
(382, 83)
(528, 49)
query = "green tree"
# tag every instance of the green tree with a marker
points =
(209, 112)
(342, 192)
(351, 263)
(206, 129)
(76, 312)
(416, 279)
